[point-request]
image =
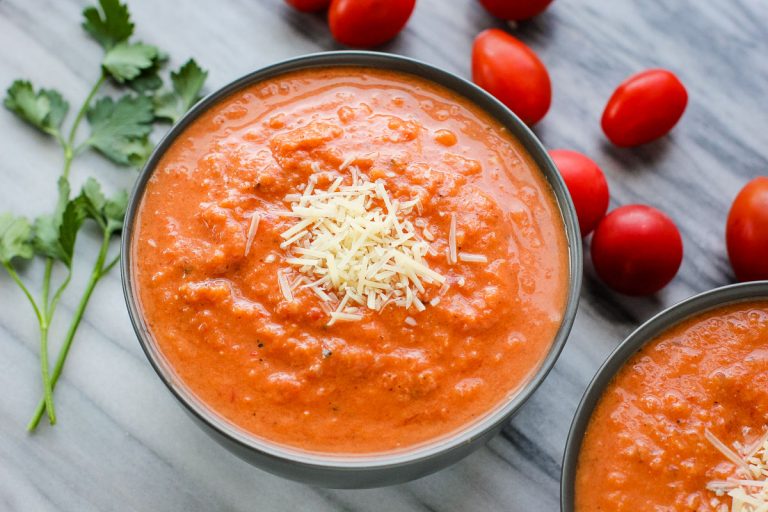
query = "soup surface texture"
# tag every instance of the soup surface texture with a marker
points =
(645, 448)
(209, 279)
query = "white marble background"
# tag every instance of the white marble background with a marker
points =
(123, 444)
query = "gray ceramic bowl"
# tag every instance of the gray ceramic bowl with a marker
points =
(357, 471)
(651, 329)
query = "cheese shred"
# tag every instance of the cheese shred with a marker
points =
(750, 492)
(252, 228)
(285, 288)
(452, 259)
(472, 258)
(355, 242)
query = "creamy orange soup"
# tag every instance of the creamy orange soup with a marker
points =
(646, 449)
(212, 281)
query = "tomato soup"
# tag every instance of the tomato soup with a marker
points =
(651, 442)
(350, 260)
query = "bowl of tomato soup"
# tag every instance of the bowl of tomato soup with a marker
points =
(677, 417)
(351, 268)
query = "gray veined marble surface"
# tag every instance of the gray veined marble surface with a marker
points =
(124, 444)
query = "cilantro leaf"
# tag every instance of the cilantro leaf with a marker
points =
(46, 227)
(114, 211)
(45, 110)
(126, 61)
(94, 198)
(166, 105)
(188, 82)
(46, 237)
(120, 129)
(113, 27)
(55, 234)
(55, 237)
(15, 238)
(149, 79)
(138, 150)
(64, 189)
(108, 213)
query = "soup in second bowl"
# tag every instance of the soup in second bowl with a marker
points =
(683, 426)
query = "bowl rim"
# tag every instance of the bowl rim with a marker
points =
(645, 333)
(470, 433)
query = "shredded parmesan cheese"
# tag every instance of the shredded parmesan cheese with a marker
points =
(252, 228)
(472, 258)
(750, 493)
(452, 241)
(285, 288)
(356, 241)
(347, 161)
(729, 454)
(349, 317)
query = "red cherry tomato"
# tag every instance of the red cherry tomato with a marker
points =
(587, 185)
(516, 10)
(746, 232)
(505, 67)
(644, 107)
(366, 23)
(309, 5)
(636, 250)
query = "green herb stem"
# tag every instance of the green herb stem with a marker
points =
(44, 369)
(81, 147)
(46, 314)
(98, 271)
(44, 352)
(57, 295)
(46, 288)
(68, 157)
(59, 138)
(84, 109)
(70, 151)
(111, 264)
(16, 279)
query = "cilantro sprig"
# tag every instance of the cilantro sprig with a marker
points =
(120, 130)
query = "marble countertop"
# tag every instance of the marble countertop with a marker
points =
(122, 443)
